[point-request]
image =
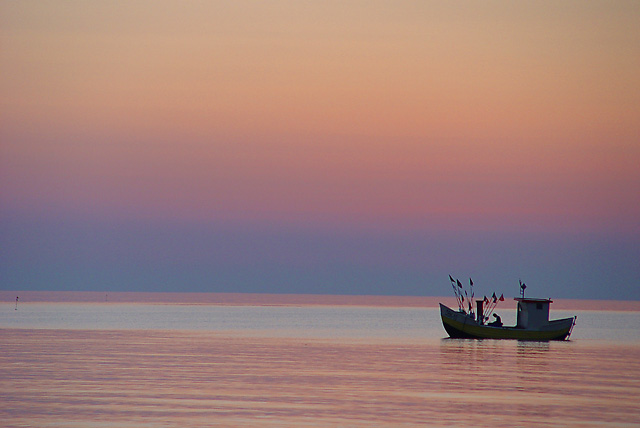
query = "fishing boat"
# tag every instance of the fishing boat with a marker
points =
(532, 319)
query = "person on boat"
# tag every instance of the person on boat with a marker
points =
(497, 322)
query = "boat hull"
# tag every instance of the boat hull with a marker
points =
(460, 325)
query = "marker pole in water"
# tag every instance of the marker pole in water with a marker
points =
(17, 298)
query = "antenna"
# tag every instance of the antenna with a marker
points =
(523, 287)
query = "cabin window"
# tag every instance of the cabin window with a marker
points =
(539, 306)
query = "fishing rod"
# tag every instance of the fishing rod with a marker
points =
(455, 282)
(485, 308)
(495, 302)
(461, 289)
(492, 305)
(472, 297)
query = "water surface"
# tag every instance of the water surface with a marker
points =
(163, 365)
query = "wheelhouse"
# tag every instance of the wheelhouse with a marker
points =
(532, 313)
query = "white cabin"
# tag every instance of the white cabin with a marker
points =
(532, 313)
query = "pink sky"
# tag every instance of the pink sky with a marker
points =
(390, 112)
(470, 116)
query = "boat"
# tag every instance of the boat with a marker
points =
(532, 320)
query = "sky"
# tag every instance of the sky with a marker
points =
(363, 147)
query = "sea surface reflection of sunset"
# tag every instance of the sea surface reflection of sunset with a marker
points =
(107, 375)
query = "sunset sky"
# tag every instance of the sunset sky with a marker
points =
(361, 147)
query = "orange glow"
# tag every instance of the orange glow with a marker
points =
(396, 114)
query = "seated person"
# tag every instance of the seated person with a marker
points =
(497, 322)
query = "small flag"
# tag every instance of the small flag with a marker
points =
(501, 298)
(485, 299)
(458, 281)
(451, 278)
(470, 282)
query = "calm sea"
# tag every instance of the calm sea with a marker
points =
(144, 360)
